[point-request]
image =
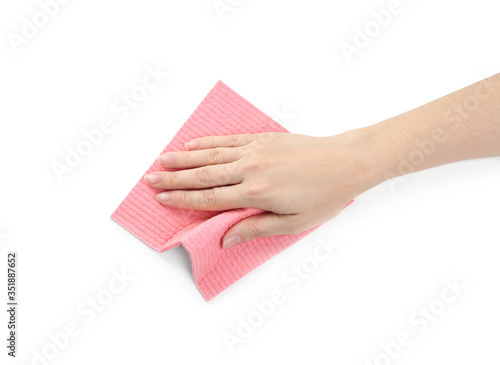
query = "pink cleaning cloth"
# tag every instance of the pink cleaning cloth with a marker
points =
(222, 112)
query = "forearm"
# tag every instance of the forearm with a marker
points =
(303, 181)
(458, 126)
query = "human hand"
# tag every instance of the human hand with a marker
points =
(300, 181)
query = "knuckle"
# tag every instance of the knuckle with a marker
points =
(182, 197)
(252, 165)
(223, 176)
(264, 140)
(267, 137)
(208, 198)
(235, 168)
(185, 157)
(173, 178)
(248, 157)
(253, 231)
(255, 189)
(202, 175)
(233, 140)
(214, 156)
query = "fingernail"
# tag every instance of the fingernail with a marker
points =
(164, 197)
(166, 159)
(192, 144)
(231, 241)
(153, 178)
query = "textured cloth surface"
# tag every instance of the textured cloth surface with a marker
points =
(222, 112)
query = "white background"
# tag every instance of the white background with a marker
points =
(398, 243)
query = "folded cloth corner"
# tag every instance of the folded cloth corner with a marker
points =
(222, 112)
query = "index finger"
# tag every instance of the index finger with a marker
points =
(235, 140)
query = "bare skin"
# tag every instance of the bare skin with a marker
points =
(304, 181)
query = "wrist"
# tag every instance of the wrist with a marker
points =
(367, 152)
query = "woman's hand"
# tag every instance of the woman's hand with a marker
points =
(304, 181)
(301, 181)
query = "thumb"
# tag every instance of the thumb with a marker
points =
(261, 225)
